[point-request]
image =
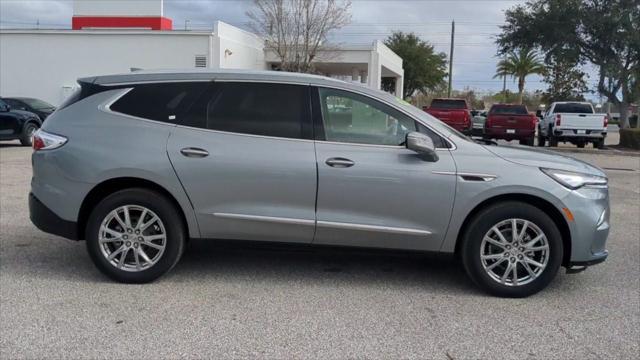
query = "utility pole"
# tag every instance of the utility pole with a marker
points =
(504, 88)
(453, 31)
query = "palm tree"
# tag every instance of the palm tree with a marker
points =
(520, 64)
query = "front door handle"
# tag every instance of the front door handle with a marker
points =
(194, 152)
(339, 162)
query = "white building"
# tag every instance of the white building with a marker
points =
(117, 36)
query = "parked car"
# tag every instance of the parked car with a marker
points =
(479, 118)
(574, 122)
(36, 106)
(511, 122)
(17, 124)
(453, 112)
(137, 164)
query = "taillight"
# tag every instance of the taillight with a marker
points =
(558, 119)
(534, 119)
(43, 140)
(467, 118)
(606, 121)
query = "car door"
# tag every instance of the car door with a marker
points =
(247, 162)
(10, 124)
(372, 191)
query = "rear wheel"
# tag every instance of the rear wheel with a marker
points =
(541, 139)
(135, 235)
(580, 144)
(512, 249)
(599, 144)
(527, 141)
(27, 133)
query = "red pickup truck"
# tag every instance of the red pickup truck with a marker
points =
(510, 122)
(453, 112)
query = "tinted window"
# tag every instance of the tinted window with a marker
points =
(573, 108)
(37, 104)
(353, 118)
(14, 104)
(277, 110)
(448, 104)
(509, 110)
(162, 102)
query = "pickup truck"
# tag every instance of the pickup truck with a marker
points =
(453, 112)
(573, 122)
(510, 122)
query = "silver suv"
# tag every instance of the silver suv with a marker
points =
(138, 164)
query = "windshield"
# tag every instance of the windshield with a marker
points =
(509, 110)
(37, 104)
(448, 104)
(573, 108)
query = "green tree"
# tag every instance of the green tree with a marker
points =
(602, 32)
(520, 64)
(424, 69)
(565, 78)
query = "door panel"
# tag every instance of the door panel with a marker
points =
(389, 198)
(247, 187)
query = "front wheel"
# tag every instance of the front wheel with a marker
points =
(135, 235)
(512, 249)
(541, 139)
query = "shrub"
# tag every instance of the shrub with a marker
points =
(630, 138)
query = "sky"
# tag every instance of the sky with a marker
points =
(477, 24)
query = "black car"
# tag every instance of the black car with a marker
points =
(17, 124)
(36, 106)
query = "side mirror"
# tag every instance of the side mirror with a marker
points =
(423, 145)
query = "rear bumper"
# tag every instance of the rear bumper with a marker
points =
(46, 220)
(573, 134)
(503, 133)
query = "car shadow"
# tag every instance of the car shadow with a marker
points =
(267, 264)
(10, 144)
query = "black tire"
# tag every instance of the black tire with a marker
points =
(599, 144)
(528, 141)
(553, 141)
(27, 132)
(170, 218)
(580, 145)
(541, 139)
(483, 222)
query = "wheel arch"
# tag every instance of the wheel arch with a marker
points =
(107, 187)
(556, 216)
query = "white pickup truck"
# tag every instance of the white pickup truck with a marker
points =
(573, 122)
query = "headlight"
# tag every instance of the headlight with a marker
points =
(575, 180)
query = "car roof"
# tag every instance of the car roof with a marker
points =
(217, 74)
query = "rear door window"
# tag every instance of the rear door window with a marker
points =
(267, 109)
(161, 102)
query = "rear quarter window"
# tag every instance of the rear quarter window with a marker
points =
(161, 102)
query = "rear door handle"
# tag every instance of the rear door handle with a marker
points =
(339, 162)
(194, 152)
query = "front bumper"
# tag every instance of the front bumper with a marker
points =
(46, 220)
(590, 228)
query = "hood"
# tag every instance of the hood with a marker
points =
(543, 158)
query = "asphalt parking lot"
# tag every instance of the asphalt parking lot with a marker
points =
(247, 302)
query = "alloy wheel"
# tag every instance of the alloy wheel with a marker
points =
(514, 252)
(132, 238)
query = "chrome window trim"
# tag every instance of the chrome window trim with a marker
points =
(106, 107)
(273, 219)
(366, 227)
